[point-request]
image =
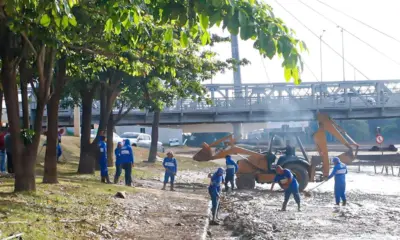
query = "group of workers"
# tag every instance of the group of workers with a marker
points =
(124, 160)
(284, 177)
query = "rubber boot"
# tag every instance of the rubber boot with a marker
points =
(298, 207)
(163, 188)
(108, 179)
(103, 179)
(172, 187)
(344, 203)
(116, 179)
(284, 206)
(226, 188)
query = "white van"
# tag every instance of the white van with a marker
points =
(140, 140)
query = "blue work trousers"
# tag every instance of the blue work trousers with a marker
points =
(2, 161)
(103, 167)
(229, 178)
(214, 199)
(128, 173)
(340, 192)
(169, 176)
(295, 193)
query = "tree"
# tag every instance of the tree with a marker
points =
(357, 129)
(42, 28)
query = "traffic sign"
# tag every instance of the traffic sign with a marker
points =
(379, 139)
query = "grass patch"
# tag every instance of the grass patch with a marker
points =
(77, 206)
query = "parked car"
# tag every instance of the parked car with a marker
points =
(141, 140)
(116, 138)
(174, 142)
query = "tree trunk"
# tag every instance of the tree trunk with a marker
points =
(86, 161)
(1, 106)
(23, 160)
(50, 160)
(110, 140)
(154, 137)
(24, 75)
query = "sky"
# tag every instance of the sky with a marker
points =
(382, 15)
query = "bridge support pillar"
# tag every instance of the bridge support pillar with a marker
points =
(77, 121)
(237, 130)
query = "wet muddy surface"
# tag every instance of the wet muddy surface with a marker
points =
(373, 211)
(368, 215)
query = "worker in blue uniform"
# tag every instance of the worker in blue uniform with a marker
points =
(288, 182)
(231, 169)
(118, 167)
(214, 189)
(171, 167)
(103, 160)
(339, 171)
(59, 152)
(126, 161)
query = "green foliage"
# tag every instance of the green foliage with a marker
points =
(27, 136)
(357, 129)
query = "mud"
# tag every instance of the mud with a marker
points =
(255, 214)
(373, 211)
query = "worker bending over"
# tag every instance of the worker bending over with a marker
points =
(103, 160)
(339, 171)
(171, 167)
(214, 190)
(126, 162)
(288, 182)
(231, 169)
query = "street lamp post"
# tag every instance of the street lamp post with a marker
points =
(344, 74)
(320, 51)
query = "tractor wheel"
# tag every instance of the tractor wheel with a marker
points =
(301, 174)
(245, 181)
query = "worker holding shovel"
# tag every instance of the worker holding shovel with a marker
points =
(288, 182)
(339, 172)
(171, 168)
(214, 190)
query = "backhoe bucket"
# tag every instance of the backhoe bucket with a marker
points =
(347, 157)
(205, 154)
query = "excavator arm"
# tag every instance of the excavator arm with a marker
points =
(205, 154)
(326, 124)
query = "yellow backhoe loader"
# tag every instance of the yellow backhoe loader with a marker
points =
(260, 167)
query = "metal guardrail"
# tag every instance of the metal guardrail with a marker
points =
(288, 97)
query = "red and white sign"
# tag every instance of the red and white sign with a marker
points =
(379, 139)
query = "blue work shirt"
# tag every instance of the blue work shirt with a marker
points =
(126, 154)
(339, 171)
(285, 177)
(170, 164)
(231, 167)
(117, 152)
(215, 184)
(103, 150)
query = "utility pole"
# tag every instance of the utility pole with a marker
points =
(320, 51)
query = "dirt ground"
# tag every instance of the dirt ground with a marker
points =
(152, 213)
(373, 212)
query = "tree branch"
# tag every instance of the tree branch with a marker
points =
(29, 43)
(120, 116)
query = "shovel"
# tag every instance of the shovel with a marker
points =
(308, 193)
